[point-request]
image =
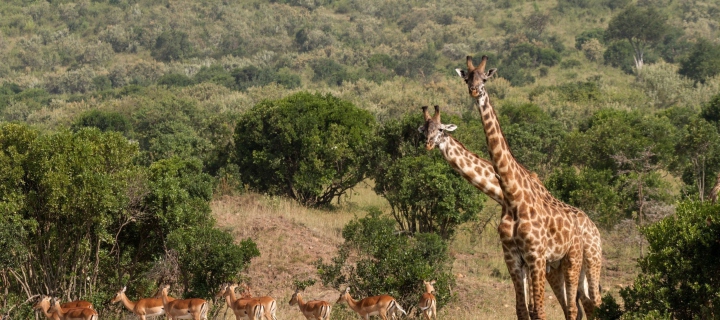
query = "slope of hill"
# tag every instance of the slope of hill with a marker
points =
(291, 237)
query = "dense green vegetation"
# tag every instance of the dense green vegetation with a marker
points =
(119, 116)
(388, 262)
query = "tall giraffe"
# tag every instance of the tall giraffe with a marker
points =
(481, 174)
(535, 231)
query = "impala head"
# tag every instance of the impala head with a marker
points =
(434, 131)
(223, 289)
(55, 305)
(344, 295)
(118, 295)
(294, 298)
(245, 294)
(476, 77)
(41, 301)
(429, 286)
(164, 290)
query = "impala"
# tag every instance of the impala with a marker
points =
(148, 307)
(268, 303)
(381, 305)
(44, 305)
(195, 308)
(243, 308)
(428, 303)
(315, 309)
(58, 312)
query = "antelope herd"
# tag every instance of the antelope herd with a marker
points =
(244, 307)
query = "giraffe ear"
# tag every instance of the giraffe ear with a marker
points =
(421, 129)
(449, 127)
(461, 73)
(491, 72)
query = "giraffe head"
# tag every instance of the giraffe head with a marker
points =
(433, 129)
(475, 78)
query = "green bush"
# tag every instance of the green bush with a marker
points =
(619, 54)
(585, 36)
(679, 273)
(703, 61)
(309, 147)
(209, 259)
(172, 45)
(175, 80)
(385, 262)
(73, 199)
(411, 180)
(330, 71)
(215, 74)
(105, 121)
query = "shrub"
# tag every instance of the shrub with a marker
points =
(175, 80)
(619, 54)
(215, 74)
(703, 61)
(330, 71)
(309, 147)
(172, 45)
(593, 50)
(105, 121)
(385, 262)
(675, 278)
(588, 35)
(209, 258)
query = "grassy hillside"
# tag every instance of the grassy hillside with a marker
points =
(292, 237)
(171, 79)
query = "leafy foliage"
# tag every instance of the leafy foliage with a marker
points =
(388, 262)
(79, 210)
(641, 27)
(679, 272)
(309, 147)
(703, 61)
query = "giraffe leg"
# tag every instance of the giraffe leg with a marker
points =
(528, 292)
(557, 282)
(536, 267)
(515, 268)
(593, 266)
(572, 267)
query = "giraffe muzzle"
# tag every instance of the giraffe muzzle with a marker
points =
(429, 146)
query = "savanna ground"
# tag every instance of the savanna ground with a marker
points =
(291, 237)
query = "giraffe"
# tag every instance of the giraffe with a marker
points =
(480, 173)
(536, 232)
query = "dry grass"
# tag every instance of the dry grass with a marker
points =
(290, 237)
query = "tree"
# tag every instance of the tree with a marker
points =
(699, 155)
(309, 147)
(641, 27)
(172, 45)
(703, 62)
(679, 273)
(388, 262)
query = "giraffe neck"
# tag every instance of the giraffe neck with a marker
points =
(507, 169)
(478, 171)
